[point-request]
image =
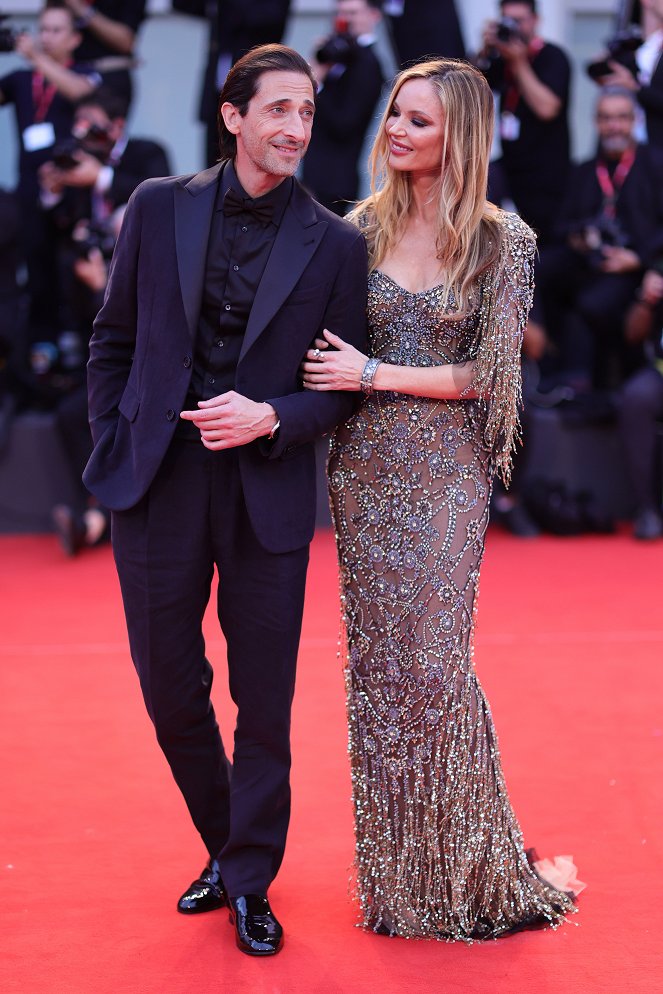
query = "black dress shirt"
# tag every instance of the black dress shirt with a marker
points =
(237, 253)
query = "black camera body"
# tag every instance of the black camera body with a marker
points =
(598, 233)
(340, 48)
(95, 141)
(93, 235)
(620, 48)
(507, 30)
(7, 36)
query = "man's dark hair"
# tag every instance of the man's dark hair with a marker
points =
(528, 3)
(242, 81)
(110, 102)
(61, 5)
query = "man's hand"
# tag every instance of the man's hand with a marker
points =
(230, 420)
(92, 270)
(84, 174)
(620, 76)
(26, 46)
(651, 290)
(619, 260)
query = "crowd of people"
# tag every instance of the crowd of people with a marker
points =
(595, 327)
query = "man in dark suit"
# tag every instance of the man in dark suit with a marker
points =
(609, 230)
(204, 452)
(351, 79)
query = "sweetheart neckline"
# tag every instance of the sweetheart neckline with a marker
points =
(412, 293)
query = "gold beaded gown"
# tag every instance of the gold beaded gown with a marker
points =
(439, 852)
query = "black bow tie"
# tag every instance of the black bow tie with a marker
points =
(234, 204)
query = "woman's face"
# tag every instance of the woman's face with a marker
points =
(414, 129)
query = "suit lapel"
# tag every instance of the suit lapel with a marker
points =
(194, 204)
(298, 237)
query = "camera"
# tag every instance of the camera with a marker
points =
(620, 47)
(340, 48)
(598, 233)
(507, 30)
(7, 36)
(94, 140)
(92, 235)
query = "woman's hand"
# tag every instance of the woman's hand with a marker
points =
(339, 370)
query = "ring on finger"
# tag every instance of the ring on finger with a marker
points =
(318, 355)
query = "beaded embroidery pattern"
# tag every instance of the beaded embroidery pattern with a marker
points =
(439, 852)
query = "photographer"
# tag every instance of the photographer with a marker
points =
(99, 161)
(86, 188)
(641, 71)
(610, 229)
(43, 97)
(641, 404)
(350, 78)
(532, 78)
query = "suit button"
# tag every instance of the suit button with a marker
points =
(187, 361)
(170, 414)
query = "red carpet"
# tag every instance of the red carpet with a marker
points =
(96, 842)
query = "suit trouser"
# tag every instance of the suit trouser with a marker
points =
(192, 519)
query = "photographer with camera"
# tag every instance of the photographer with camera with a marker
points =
(609, 230)
(350, 80)
(86, 187)
(532, 78)
(641, 71)
(641, 404)
(43, 97)
(97, 168)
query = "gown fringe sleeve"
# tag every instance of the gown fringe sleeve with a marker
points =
(506, 301)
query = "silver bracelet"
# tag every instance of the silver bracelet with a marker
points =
(368, 375)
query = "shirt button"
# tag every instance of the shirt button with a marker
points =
(227, 307)
(187, 361)
(219, 344)
(236, 268)
(212, 380)
(170, 414)
(244, 228)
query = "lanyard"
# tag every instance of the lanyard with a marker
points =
(42, 97)
(610, 186)
(511, 97)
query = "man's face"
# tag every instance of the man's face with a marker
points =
(522, 13)
(57, 36)
(361, 18)
(275, 132)
(615, 118)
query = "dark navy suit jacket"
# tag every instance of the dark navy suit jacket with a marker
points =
(141, 350)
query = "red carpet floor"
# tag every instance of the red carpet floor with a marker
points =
(96, 844)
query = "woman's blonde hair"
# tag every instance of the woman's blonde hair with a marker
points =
(468, 235)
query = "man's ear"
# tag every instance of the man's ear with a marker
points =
(231, 117)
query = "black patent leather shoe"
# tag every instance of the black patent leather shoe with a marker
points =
(257, 932)
(205, 894)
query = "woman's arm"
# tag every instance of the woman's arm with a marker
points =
(342, 370)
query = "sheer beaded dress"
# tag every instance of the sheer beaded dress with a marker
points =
(439, 852)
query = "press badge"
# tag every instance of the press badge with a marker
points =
(509, 127)
(38, 136)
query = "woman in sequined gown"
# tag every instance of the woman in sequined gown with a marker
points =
(439, 852)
